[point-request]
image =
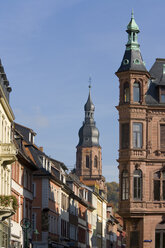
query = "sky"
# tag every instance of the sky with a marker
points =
(49, 48)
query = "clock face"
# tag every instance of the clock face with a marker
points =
(25, 223)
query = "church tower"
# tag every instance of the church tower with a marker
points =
(88, 156)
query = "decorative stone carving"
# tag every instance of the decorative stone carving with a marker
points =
(137, 166)
(162, 120)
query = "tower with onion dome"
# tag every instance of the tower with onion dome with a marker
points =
(88, 156)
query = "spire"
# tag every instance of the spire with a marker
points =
(89, 106)
(88, 133)
(132, 30)
(132, 59)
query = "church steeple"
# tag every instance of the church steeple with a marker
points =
(88, 155)
(132, 60)
(88, 133)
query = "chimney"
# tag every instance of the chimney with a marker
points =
(41, 148)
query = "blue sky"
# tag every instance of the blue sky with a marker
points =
(50, 47)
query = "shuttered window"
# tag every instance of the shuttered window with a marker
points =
(162, 136)
(125, 135)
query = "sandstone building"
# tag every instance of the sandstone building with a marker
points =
(142, 146)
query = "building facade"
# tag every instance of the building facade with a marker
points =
(141, 151)
(22, 186)
(7, 156)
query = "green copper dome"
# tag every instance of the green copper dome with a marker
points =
(132, 30)
(132, 26)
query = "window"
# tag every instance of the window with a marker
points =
(162, 136)
(137, 135)
(64, 228)
(126, 92)
(73, 232)
(136, 92)
(137, 185)
(162, 94)
(124, 183)
(95, 161)
(87, 161)
(159, 185)
(25, 179)
(34, 189)
(125, 135)
(160, 235)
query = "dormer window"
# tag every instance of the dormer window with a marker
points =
(43, 162)
(162, 94)
(136, 92)
(126, 92)
(31, 137)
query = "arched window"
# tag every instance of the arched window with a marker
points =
(159, 185)
(95, 161)
(137, 185)
(124, 185)
(126, 92)
(87, 161)
(160, 234)
(136, 92)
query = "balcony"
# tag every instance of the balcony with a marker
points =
(132, 153)
(8, 206)
(8, 152)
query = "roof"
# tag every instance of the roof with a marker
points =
(132, 61)
(88, 133)
(157, 79)
(23, 151)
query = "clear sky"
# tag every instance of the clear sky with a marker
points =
(50, 47)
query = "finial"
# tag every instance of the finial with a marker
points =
(89, 81)
(132, 14)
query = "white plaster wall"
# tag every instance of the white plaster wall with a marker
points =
(16, 230)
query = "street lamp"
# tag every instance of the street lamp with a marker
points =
(26, 225)
(36, 232)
